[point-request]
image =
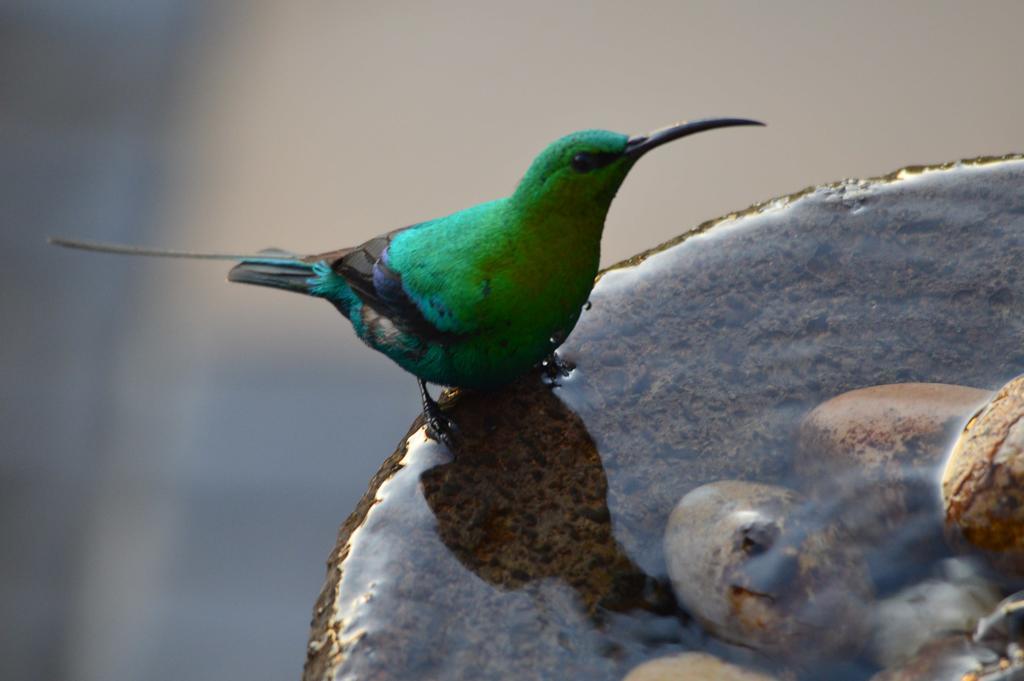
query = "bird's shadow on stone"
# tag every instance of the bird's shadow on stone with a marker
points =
(525, 499)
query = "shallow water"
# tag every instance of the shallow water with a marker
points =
(537, 551)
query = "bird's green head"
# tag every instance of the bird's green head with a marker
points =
(586, 166)
(581, 172)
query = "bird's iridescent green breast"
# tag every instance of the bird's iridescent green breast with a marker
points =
(500, 286)
(504, 281)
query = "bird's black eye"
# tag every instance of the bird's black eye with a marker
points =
(583, 162)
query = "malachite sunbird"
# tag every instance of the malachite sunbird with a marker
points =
(478, 297)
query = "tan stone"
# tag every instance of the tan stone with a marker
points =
(983, 482)
(758, 566)
(878, 449)
(883, 428)
(692, 667)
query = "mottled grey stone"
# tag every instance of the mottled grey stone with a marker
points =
(536, 551)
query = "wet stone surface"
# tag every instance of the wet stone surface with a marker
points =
(536, 552)
(874, 454)
(951, 658)
(756, 565)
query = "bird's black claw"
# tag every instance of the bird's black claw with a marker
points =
(439, 426)
(555, 368)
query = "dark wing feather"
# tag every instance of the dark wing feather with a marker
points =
(357, 266)
(366, 271)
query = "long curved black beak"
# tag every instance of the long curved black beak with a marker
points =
(640, 145)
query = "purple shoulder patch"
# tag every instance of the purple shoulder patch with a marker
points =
(386, 282)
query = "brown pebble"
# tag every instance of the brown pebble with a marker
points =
(983, 482)
(879, 447)
(758, 566)
(885, 427)
(692, 667)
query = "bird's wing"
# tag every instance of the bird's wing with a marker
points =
(365, 269)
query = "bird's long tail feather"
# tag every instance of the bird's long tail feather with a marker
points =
(121, 249)
(271, 267)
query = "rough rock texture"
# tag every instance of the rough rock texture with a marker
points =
(983, 484)
(536, 552)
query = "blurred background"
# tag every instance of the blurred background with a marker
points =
(176, 454)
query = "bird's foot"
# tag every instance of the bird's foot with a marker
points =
(555, 369)
(439, 426)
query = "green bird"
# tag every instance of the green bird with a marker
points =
(478, 297)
